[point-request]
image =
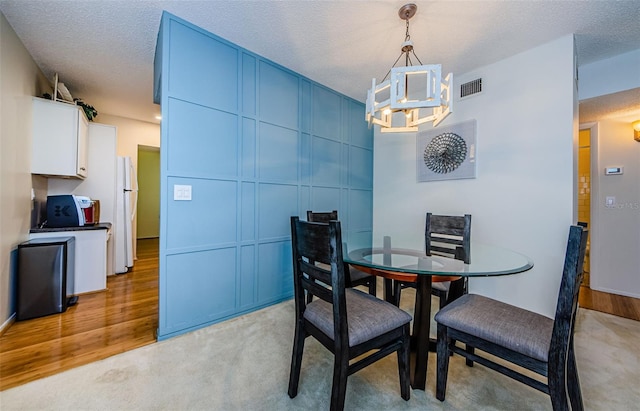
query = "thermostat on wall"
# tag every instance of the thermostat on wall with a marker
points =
(613, 170)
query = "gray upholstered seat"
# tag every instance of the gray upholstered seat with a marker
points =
(511, 327)
(367, 316)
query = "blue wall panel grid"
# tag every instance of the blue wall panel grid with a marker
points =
(257, 143)
(326, 113)
(278, 150)
(202, 286)
(278, 96)
(205, 140)
(208, 220)
(326, 162)
(202, 69)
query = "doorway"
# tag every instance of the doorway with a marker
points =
(584, 191)
(148, 221)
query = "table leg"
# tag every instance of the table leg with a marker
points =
(421, 326)
(389, 295)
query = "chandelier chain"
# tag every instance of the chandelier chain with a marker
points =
(407, 36)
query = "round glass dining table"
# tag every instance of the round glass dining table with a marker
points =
(407, 264)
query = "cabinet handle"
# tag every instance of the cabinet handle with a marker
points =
(82, 168)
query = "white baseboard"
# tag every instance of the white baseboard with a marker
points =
(4, 327)
(618, 292)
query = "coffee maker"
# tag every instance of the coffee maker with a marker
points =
(68, 210)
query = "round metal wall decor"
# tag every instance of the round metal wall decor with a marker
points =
(445, 153)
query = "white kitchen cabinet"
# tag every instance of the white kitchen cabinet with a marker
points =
(91, 255)
(59, 139)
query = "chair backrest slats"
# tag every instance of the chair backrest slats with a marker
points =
(445, 240)
(314, 243)
(316, 272)
(441, 231)
(317, 289)
(448, 251)
(567, 305)
(322, 217)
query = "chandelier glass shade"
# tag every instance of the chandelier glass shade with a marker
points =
(409, 95)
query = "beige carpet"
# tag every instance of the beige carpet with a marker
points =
(243, 364)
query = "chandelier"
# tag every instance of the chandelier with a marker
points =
(398, 108)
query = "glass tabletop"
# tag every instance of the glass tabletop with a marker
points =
(486, 260)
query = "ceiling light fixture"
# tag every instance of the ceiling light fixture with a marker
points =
(636, 131)
(428, 99)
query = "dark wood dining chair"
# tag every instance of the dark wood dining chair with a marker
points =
(355, 277)
(527, 339)
(348, 322)
(448, 236)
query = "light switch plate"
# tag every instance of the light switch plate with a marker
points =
(181, 192)
(610, 201)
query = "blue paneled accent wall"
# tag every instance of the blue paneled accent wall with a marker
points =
(257, 143)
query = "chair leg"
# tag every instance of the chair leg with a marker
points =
(403, 365)
(442, 299)
(443, 362)
(372, 286)
(558, 390)
(296, 360)
(470, 350)
(573, 382)
(397, 288)
(339, 388)
(387, 290)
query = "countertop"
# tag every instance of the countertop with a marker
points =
(100, 226)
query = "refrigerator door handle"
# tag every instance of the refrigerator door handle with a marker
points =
(134, 179)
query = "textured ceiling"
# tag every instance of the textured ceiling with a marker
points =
(103, 50)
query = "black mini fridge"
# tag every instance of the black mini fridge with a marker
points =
(46, 273)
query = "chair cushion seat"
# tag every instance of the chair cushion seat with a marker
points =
(367, 316)
(512, 327)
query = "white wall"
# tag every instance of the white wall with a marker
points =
(20, 79)
(523, 197)
(132, 133)
(615, 237)
(618, 73)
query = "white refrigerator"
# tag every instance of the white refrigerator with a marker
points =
(126, 199)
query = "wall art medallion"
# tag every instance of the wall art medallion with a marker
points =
(447, 153)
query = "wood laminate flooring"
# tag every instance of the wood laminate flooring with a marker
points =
(100, 325)
(126, 317)
(627, 307)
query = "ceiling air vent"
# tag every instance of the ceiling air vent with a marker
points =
(470, 88)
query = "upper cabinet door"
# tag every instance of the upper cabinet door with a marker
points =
(83, 141)
(59, 139)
